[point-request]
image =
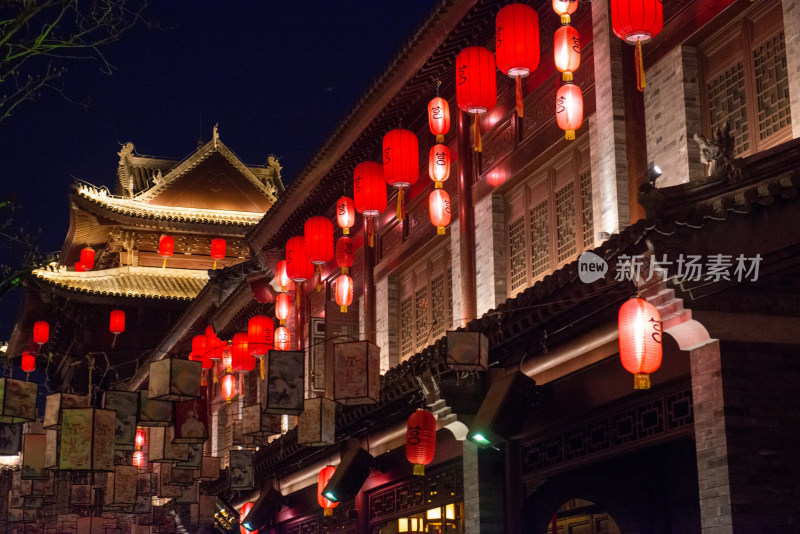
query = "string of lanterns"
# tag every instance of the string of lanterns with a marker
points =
(567, 58)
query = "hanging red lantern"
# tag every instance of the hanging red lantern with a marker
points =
(41, 332)
(565, 8)
(199, 347)
(283, 276)
(439, 209)
(259, 334)
(640, 340)
(217, 250)
(344, 253)
(567, 51)
(439, 118)
(636, 22)
(517, 44)
(420, 440)
(28, 362)
(87, 258)
(318, 239)
(439, 163)
(324, 477)
(344, 292)
(283, 304)
(138, 459)
(246, 507)
(569, 109)
(281, 338)
(241, 360)
(400, 163)
(116, 322)
(79, 268)
(369, 193)
(228, 387)
(140, 438)
(215, 345)
(476, 84)
(298, 267)
(166, 247)
(345, 214)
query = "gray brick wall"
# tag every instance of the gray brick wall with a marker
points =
(490, 253)
(483, 490)
(455, 262)
(791, 32)
(387, 296)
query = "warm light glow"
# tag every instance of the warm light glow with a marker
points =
(420, 440)
(567, 51)
(259, 334)
(218, 249)
(433, 513)
(318, 239)
(345, 214)
(637, 20)
(228, 387)
(344, 292)
(87, 259)
(298, 267)
(439, 163)
(400, 158)
(140, 438)
(344, 253)
(116, 321)
(241, 360)
(640, 347)
(28, 362)
(283, 305)
(79, 268)
(517, 40)
(439, 117)
(565, 8)
(402, 524)
(369, 188)
(569, 109)
(476, 81)
(450, 511)
(138, 459)
(281, 338)
(283, 276)
(166, 246)
(439, 209)
(41, 332)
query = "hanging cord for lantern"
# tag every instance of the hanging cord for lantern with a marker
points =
(518, 83)
(640, 81)
(401, 207)
(477, 125)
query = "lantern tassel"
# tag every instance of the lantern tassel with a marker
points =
(640, 81)
(319, 278)
(343, 309)
(165, 262)
(114, 341)
(262, 368)
(439, 138)
(370, 231)
(27, 376)
(519, 96)
(203, 379)
(419, 470)
(215, 264)
(478, 142)
(328, 512)
(401, 205)
(641, 381)
(214, 374)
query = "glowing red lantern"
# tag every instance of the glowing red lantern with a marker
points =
(138, 459)
(439, 209)
(28, 362)
(140, 438)
(79, 268)
(87, 259)
(439, 163)
(567, 51)
(246, 507)
(41, 332)
(116, 322)
(318, 238)
(640, 340)
(259, 334)
(283, 276)
(344, 292)
(565, 8)
(400, 163)
(281, 338)
(344, 253)
(439, 118)
(166, 247)
(345, 214)
(517, 44)
(369, 193)
(298, 267)
(569, 109)
(324, 477)
(476, 84)
(637, 21)
(228, 387)
(199, 347)
(421, 440)
(215, 345)
(217, 250)
(241, 360)
(283, 304)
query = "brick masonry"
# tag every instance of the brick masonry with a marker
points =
(672, 116)
(387, 296)
(791, 32)
(490, 253)
(483, 490)
(455, 274)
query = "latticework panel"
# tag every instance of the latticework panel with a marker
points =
(540, 239)
(406, 328)
(438, 310)
(516, 253)
(727, 103)
(565, 222)
(421, 318)
(587, 222)
(772, 86)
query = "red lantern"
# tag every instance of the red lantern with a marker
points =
(259, 334)
(640, 340)
(241, 361)
(79, 268)
(344, 292)
(87, 259)
(140, 438)
(439, 118)
(400, 163)
(344, 253)
(439, 163)
(246, 507)
(517, 40)
(569, 109)
(637, 21)
(369, 193)
(439, 209)
(28, 362)
(345, 214)
(283, 276)
(298, 267)
(565, 8)
(41, 332)
(116, 322)
(166, 247)
(217, 250)
(318, 239)
(215, 345)
(476, 82)
(283, 304)
(324, 477)
(228, 387)
(421, 440)
(138, 459)
(199, 348)
(281, 338)
(567, 51)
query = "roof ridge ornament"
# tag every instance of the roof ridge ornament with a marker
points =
(718, 153)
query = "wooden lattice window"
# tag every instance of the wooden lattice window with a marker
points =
(586, 209)
(406, 328)
(421, 321)
(566, 245)
(517, 257)
(727, 103)
(438, 310)
(540, 239)
(772, 86)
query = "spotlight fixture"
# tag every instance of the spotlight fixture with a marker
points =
(349, 476)
(503, 410)
(653, 173)
(263, 512)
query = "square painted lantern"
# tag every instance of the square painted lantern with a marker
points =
(51, 451)
(87, 439)
(33, 457)
(121, 486)
(174, 380)
(190, 494)
(54, 404)
(10, 439)
(317, 424)
(126, 406)
(144, 483)
(17, 401)
(191, 420)
(166, 490)
(90, 525)
(240, 439)
(285, 382)
(202, 513)
(259, 424)
(176, 477)
(240, 463)
(356, 373)
(209, 469)
(162, 447)
(143, 504)
(194, 457)
(153, 412)
(467, 351)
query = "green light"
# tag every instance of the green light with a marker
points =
(247, 526)
(330, 496)
(480, 439)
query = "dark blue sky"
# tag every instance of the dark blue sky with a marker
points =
(277, 76)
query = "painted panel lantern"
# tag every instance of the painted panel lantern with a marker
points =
(17, 401)
(87, 439)
(162, 448)
(357, 373)
(241, 474)
(194, 457)
(209, 469)
(317, 424)
(153, 412)
(90, 525)
(10, 439)
(285, 382)
(175, 380)
(126, 406)
(467, 351)
(33, 457)
(165, 489)
(191, 420)
(259, 424)
(54, 404)
(202, 513)
(121, 486)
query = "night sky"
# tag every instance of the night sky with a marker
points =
(276, 76)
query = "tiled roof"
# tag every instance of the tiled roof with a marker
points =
(135, 282)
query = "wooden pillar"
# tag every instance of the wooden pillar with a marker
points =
(466, 220)
(299, 317)
(370, 314)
